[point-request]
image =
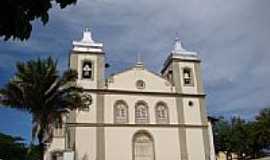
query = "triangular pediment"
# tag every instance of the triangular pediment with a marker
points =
(129, 80)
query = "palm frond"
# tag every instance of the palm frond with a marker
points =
(39, 89)
(12, 95)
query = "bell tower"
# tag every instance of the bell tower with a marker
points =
(182, 69)
(87, 58)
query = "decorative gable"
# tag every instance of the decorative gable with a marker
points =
(139, 79)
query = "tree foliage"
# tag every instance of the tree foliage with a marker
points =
(39, 89)
(246, 139)
(262, 128)
(14, 148)
(11, 148)
(16, 16)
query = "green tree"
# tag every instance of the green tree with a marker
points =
(222, 134)
(262, 128)
(16, 16)
(33, 153)
(245, 139)
(40, 90)
(231, 137)
(255, 148)
(12, 148)
(239, 137)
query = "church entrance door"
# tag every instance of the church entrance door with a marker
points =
(143, 147)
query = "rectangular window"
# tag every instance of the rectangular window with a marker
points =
(187, 76)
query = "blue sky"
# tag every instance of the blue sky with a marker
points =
(231, 37)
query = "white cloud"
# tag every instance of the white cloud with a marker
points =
(232, 38)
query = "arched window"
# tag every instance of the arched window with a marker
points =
(120, 112)
(87, 70)
(141, 112)
(162, 113)
(143, 146)
(187, 76)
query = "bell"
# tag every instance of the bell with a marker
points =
(186, 75)
(86, 68)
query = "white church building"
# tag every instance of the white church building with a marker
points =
(135, 114)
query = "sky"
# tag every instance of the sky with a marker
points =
(231, 38)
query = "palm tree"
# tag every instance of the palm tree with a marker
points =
(39, 89)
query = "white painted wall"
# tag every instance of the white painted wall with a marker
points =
(211, 141)
(192, 113)
(119, 143)
(85, 143)
(118, 140)
(131, 101)
(195, 144)
(127, 81)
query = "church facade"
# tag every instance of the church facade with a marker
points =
(135, 114)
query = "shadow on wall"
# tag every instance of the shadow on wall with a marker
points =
(85, 157)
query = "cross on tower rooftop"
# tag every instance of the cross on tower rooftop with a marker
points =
(87, 36)
(178, 48)
(139, 62)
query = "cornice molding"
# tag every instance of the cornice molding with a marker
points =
(167, 94)
(172, 59)
(136, 125)
(86, 52)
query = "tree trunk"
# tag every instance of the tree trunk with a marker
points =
(227, 155)
(41, 145)
(41, 150)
